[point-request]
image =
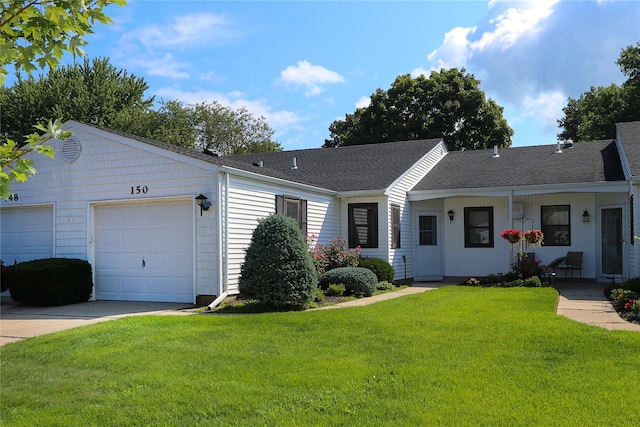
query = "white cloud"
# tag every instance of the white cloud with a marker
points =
(506, 29)
(515, 23)
(545, 108)
(312, 77)
(363, 102)
(166, 66)
(186, 31)
(212, 77)
(454, 51)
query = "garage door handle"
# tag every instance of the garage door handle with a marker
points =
(143, 263)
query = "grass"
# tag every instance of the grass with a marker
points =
(453, 356)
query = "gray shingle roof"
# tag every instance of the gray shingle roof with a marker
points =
(359, 167)
(585, 162)
(630, 137)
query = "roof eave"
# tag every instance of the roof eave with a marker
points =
(578, 187)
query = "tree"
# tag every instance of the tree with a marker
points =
(278, 268)
(35, 34)
(447, 104)
(203, 126)
(93, 92)
(594, 114)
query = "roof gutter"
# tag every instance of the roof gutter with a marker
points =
(360, 193)
(582, 187)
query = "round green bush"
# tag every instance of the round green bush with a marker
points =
(356, 280)
(381, 268)
(278, 268)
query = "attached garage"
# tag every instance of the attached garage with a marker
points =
(26, 233)
(145, 251)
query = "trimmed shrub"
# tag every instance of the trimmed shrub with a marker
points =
(336, 290)
(319, 295)
(50, 281)
(357, 281)
(278, 269)
(381, 268)
(384, 286)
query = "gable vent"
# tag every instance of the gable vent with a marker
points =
(71, 150)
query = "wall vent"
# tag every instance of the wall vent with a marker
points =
(71, 149)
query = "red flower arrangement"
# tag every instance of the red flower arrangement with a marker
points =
(534, 237)
(511, 235)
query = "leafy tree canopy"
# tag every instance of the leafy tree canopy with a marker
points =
(35, 34)
(594, 114)
(447, 104)
(94, 92)
(205, 126)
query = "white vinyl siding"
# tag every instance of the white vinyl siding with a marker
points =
(252, 200)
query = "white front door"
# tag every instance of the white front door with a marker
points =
(144, 251)
(428, 246)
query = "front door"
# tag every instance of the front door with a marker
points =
(612, 242)
(428, 254)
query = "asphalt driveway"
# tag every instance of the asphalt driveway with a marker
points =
(18, 322)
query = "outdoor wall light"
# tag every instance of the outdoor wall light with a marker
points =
(585, 216)
(201, 200)
(450, 213)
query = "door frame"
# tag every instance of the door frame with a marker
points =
(599, 265)
(439, 236)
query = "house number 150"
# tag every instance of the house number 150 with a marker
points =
(140, 189)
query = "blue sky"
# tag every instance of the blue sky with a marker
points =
(303, 65)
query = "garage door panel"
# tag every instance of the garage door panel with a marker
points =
(161, 234)
(26, 233)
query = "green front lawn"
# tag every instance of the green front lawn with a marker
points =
(453, 356)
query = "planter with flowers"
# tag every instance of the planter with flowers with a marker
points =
(533, 238)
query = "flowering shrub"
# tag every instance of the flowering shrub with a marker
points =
(511, 235)
(528, 268)
(534, 237)
(472, 281)
(334, 255)
(626, 303)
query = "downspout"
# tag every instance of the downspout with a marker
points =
(223, 250)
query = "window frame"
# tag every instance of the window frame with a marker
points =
(545, 228)
(372, 225)
(396, 229)
(468, 228)
(281, 209)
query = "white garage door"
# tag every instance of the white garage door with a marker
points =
(144, 251)
(26, 233)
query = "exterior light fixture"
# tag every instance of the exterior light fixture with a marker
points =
(585, 216)
(450, 213)
(201, 200)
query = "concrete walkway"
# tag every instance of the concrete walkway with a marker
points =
(585, 303)
(18, 322)
(582, 302)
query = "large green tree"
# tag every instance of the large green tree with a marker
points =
(448, 104)
(93, 92)
(35, 34)
(204, 126)
(594, 114)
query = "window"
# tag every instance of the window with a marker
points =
(478, 227)
(363, 225)
(293, 207)
(427, 230)
(556, 225)
(395, 226)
